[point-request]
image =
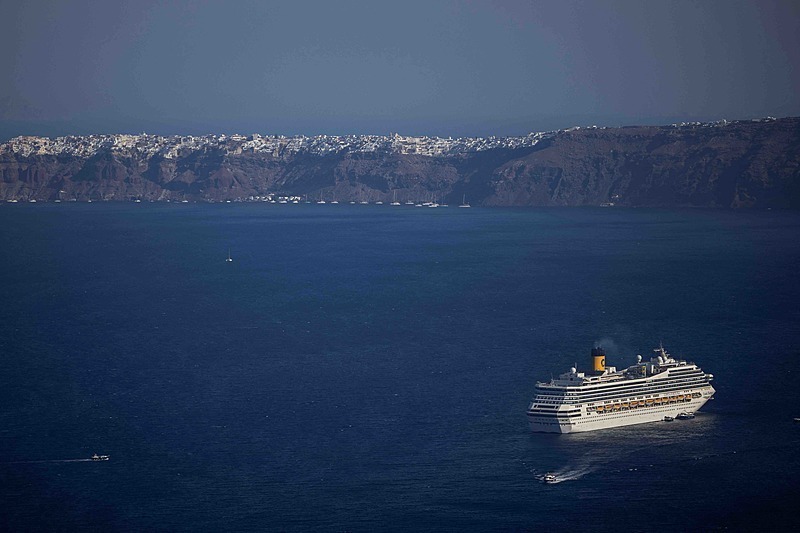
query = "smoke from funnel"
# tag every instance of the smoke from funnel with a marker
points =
(609, 345)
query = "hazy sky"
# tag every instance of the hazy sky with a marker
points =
(430, 67)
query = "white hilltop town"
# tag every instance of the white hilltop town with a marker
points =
(281, 146)
(275, 145)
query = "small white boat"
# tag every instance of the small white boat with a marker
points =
(669, 418)
(96, 457)
(685, 416)
(549, 478)
(464, 201)
(229, 259)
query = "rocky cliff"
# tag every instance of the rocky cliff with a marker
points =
(723, 164)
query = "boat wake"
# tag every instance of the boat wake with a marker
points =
(93, 459)
(50, 461)
(560, 476)
(572, 475)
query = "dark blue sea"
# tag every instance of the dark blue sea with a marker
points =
(367, 368)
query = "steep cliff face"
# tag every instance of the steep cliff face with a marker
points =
(747, 164)
(732, 165)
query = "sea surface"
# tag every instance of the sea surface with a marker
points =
(367, 368)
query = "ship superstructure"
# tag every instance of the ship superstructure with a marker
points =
(607, 397)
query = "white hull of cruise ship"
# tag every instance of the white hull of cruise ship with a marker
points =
(607, 398)
(613, 419)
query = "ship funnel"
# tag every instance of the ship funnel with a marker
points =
(598, 360)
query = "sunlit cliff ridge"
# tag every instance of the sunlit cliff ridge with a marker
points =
(753, 163)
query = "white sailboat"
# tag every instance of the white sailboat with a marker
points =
(464, 201)
(229, 259)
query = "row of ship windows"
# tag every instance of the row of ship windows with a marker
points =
(653, 402)
(669, 385)
(618, 407)
(660, 388)
(632, 403)
(592, 398)
(699, 376)
(673, 385)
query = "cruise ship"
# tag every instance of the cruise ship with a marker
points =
(607, 397)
